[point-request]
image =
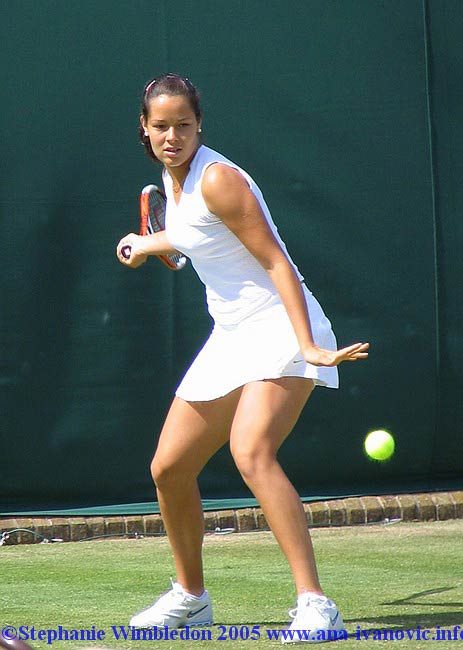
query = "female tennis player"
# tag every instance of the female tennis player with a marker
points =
(271, 344)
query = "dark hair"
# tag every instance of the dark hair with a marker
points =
(167, 84)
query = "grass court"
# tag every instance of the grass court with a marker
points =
(386, 579)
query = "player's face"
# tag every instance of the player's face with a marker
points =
(172, 129)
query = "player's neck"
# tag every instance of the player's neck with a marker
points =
(178, 178)
(179, 174)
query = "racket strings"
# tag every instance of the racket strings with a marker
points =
(155, 209)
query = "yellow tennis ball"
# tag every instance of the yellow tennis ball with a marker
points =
(379, 445)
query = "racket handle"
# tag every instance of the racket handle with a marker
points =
(126, 252)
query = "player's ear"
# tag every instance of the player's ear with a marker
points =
(199, 126)
(143, 121)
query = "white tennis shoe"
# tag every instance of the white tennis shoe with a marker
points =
(176, 608)
(315, 619)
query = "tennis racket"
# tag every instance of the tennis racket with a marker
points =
(152, 219)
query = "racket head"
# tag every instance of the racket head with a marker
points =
(153, 219)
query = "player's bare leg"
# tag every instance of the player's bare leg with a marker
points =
(266, 413)
(192, 433)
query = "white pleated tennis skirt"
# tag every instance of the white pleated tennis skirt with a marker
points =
(262, 346)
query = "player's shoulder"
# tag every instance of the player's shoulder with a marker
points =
(219, 176)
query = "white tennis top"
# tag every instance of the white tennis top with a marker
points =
(236, 284)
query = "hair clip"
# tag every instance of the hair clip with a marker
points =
(151, 83)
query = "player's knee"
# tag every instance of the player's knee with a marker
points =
(251, 463)
(169, 475)
(162, 473)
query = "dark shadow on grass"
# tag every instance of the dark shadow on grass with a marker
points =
(404, 621)
(390, 622)
(410, 600)
(398, 622)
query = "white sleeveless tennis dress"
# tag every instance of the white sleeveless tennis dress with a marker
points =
(252, 338)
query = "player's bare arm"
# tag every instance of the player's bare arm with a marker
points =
(142, 247)
(227, 195)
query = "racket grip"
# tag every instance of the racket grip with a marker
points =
(126, 252)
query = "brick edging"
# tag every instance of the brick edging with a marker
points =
(431, 506)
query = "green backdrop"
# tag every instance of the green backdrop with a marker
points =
(348, 114)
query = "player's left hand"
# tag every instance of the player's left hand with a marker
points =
(137, 256)
(321, 357)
